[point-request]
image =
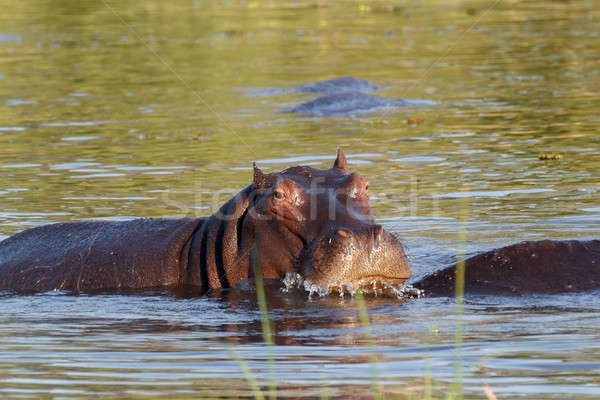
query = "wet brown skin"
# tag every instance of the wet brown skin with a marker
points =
(545, 266)
(314, 222)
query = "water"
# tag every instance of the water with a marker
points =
(121, 110)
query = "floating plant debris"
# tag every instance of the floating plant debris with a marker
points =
(549, 156)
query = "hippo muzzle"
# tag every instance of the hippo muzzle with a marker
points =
(345, 258)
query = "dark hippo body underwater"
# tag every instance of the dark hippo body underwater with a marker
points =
(345, 96)
(330, 86)
(338, 85)
(350, 103)
(315, 223)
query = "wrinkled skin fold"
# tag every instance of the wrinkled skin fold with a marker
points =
(314, 223)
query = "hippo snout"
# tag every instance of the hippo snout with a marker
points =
(356, 257)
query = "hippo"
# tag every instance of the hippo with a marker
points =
(330, 86)
(338, 85)
(350, 103)
(542, 267)
(314, 223)
(344, 96)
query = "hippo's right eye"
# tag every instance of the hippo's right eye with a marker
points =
(278, 195)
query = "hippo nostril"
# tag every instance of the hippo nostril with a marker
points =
(344, 233)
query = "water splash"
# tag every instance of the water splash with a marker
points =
(374, 287)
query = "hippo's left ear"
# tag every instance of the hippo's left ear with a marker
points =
(261, 180)
(340, 162)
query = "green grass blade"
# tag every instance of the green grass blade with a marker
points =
(256, 392)
(366, 323)
(265, 321)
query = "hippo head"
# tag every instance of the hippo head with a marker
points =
(318, 224)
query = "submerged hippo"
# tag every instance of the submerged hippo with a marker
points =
(329, 86)
(546, 266)
(345, 96)
(338, 85)
(350, 103)
(314, 223)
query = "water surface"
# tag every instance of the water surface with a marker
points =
(121, 110)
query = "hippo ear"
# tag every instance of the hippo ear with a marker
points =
(340, 162)
(261, 180)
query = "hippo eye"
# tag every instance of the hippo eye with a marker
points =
(367, 187)
(278, 195)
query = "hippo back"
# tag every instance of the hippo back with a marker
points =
(141, 253)
(546, 266)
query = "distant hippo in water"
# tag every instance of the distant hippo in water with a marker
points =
(314, 223)
(350, 103)
(330, 86)
(338, 85)
(345, 96)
